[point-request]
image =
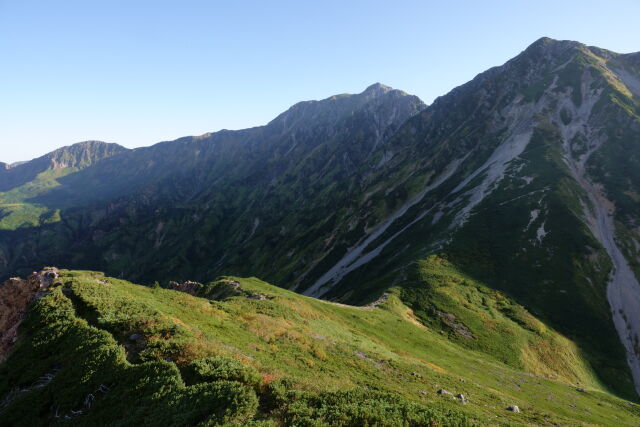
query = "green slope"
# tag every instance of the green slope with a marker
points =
(22, 184)
(298, 361)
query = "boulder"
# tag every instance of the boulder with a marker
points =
(443, 392)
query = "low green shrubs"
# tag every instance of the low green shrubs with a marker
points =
(220, 368)
(65, 370)
(359, 408)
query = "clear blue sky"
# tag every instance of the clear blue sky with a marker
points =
(137, 72)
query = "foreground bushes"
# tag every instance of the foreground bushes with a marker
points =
(219, 368)
(64, 370)
(92, 383)
(355, 408)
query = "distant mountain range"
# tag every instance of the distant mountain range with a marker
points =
(525, 179)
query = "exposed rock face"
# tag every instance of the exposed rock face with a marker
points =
(450, 320)
(188, 287)
(15, 296)
(219, 290)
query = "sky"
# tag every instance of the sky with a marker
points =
(137, 72)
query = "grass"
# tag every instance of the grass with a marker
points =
(16, 208)
(315, 360)
(492, 323)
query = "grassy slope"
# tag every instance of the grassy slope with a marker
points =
(314, 345)
(494, 324)
(16, 209)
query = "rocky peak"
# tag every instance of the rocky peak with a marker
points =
(83, 154)
(78, 155)
(377, 89)
(548, 49)
(330, 110)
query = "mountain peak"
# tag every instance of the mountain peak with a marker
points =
(377, 89)
(82, 154)
(89, 144)
(544, 41)
(548, 47)
(334, 108)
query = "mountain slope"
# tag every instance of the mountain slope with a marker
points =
(76, 156)
(92, 344)
(526, 204)
(21, 183)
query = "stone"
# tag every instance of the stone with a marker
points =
(444, 392)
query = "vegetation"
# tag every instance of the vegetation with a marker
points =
(99, 350)
(478, 317)
(18, 211)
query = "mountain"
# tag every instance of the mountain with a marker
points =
(534, 193)
(217, 187)
(505, 215)
(76, 156)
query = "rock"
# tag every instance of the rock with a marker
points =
(423, 392)
(458, 327)
(513, 408)
(188, 287)
(580, 389)
(444, 392)
(15, 297)
(463, 399)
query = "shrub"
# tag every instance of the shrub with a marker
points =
(363, 408)
(219, 368)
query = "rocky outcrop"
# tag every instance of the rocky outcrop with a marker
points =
(15, 297)
(450, 320)
(219, 290)
(188, 287)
